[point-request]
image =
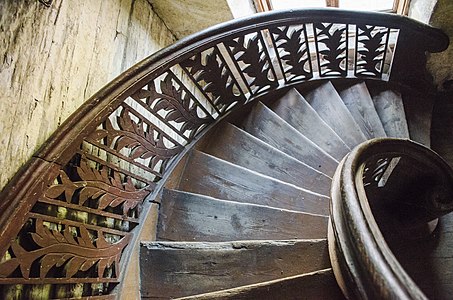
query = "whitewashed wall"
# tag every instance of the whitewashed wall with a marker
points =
(54, 58)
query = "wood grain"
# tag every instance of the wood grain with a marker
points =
(208, 175)
(359, 103)
(390, 108)
(316, 285)
(328, 104)
(266, 125)
(176, 269)
(293, 108)
(237, 146)
(191, 217)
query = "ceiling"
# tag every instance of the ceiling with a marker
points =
(184, 17)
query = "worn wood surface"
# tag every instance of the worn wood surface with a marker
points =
(191, 217)
(130, 288)
(177, 269)
(266, 125)
(293, 108)
(328, 104)
(359, 103)
(239, 147)
(207, 175)
(419, 109)
(55, 57)
(316, 285)
(441, 131)
(390, 108)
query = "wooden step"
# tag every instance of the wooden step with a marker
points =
(293, 108)
(207, 175)
(315, 285)
(177, 269)
(241, 148)
(390, 108)
(327, 103)
(442, 123)
(418, 109)
(359, 103)
(190, 217)
(266, 125)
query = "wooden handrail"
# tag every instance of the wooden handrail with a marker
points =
(365, 214)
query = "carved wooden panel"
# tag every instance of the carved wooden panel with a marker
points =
(170, 101)
(292, 50)
(371, 50)
(76, 233)
(132, 137)
(331, 42)
(252, 59)
(211, 73)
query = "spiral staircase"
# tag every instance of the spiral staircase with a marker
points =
(284, 151)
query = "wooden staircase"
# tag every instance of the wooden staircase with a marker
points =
(246, 216)
(236, 134)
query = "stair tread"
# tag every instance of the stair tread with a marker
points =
(316, 285)
(208, 175)
(295, 110)
(327, 103)
(210, 267)
(192, 217)
(390, 108)
(359, 103)
(239, 147)
(418, 110)
(266, 125)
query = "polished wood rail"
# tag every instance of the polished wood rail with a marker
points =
(385, 191)
(70, 215)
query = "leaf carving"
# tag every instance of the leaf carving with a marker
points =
(57, 250)
(177, 103)
(335, 54)
(296, 55)
(110, 191)
(132, 135)
(256, 63)
(371, 50)
(214, 77)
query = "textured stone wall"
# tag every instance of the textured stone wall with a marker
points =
(440, 65)
(54, 58)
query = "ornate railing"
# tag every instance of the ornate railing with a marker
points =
(386, 191)
(70, 213)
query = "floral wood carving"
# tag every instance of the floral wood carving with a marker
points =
(144, 140)
(174, 103)
(331, 42)
(292, 49)
(374, 170)
(253, 60)
(214, 77)
(63, 249)
(371, 47)
(109, 191)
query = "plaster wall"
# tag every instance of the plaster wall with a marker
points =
(185, 17)
(54, 58)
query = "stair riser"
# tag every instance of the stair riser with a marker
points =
(169, 271)
(186, 217)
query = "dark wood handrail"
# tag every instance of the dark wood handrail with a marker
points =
(364, 265)
(114, 151)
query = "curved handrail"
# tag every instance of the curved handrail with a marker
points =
(363, 263)
(91, 177)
